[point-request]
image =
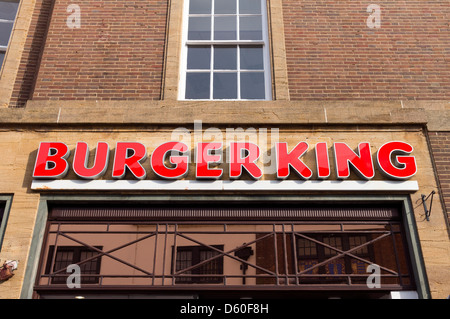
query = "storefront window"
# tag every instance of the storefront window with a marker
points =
(132, 247)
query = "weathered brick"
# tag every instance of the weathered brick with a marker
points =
(119, 48)
(329, 43)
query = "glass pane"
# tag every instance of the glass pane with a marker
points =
(8, 10)
(197, 86)
(335, 267)
(335, 242)
(225, 28)
(252, 86)
(200, 7)
(224, 6)
(250, 6)
(225, 86)
(355, 241)
(5, 32)
(306, 247)
(225, 58)
(183, 261)
(210, 268)
(199, 28)
(251, 58)
(199, 57)
(2, 57)
(250, 28)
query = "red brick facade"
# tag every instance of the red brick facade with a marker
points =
(440, 143)
(116, 54)
(333, 54)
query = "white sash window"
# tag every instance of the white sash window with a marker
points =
(225, 53)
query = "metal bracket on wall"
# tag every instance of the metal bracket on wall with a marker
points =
(424, 200)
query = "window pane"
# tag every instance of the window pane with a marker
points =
(306, 247)
(200, 7)
(5, 32)
(183, 261)
(197, 85)
(224, 6)
(225, 28)
(335, 242)
(250, 6)
(89, 267)
(199, 28)
(8, 10)
(225, 58)
(225, 86)
(199, 57)
(251, 58)
(250, 28)
(252, 85)
(211, 268)
(355, 241)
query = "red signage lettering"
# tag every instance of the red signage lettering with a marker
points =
(403, 167)
(129, 155)
(51, 160)
(286, 160)
(81, 157)
(322, 161)
(170, 160)
(244, 156)
(345, 157)
(204, 158)
(180, 163)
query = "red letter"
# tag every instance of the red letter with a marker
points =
(180, 162)
(239, 160)
(81, 159)
(323, 163)
(204, 158)
(362, 163)
(122, 160)
(55, 153)
(403, 167)
(286, 160)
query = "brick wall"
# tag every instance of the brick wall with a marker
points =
(29, 63)
(116, 54)
(440, 145)
(332, 54)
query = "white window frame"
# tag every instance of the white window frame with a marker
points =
(4, 48)
(184, 50)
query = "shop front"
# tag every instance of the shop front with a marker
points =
(223, 246)
(283, 213)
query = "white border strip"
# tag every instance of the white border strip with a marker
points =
(195, 185)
